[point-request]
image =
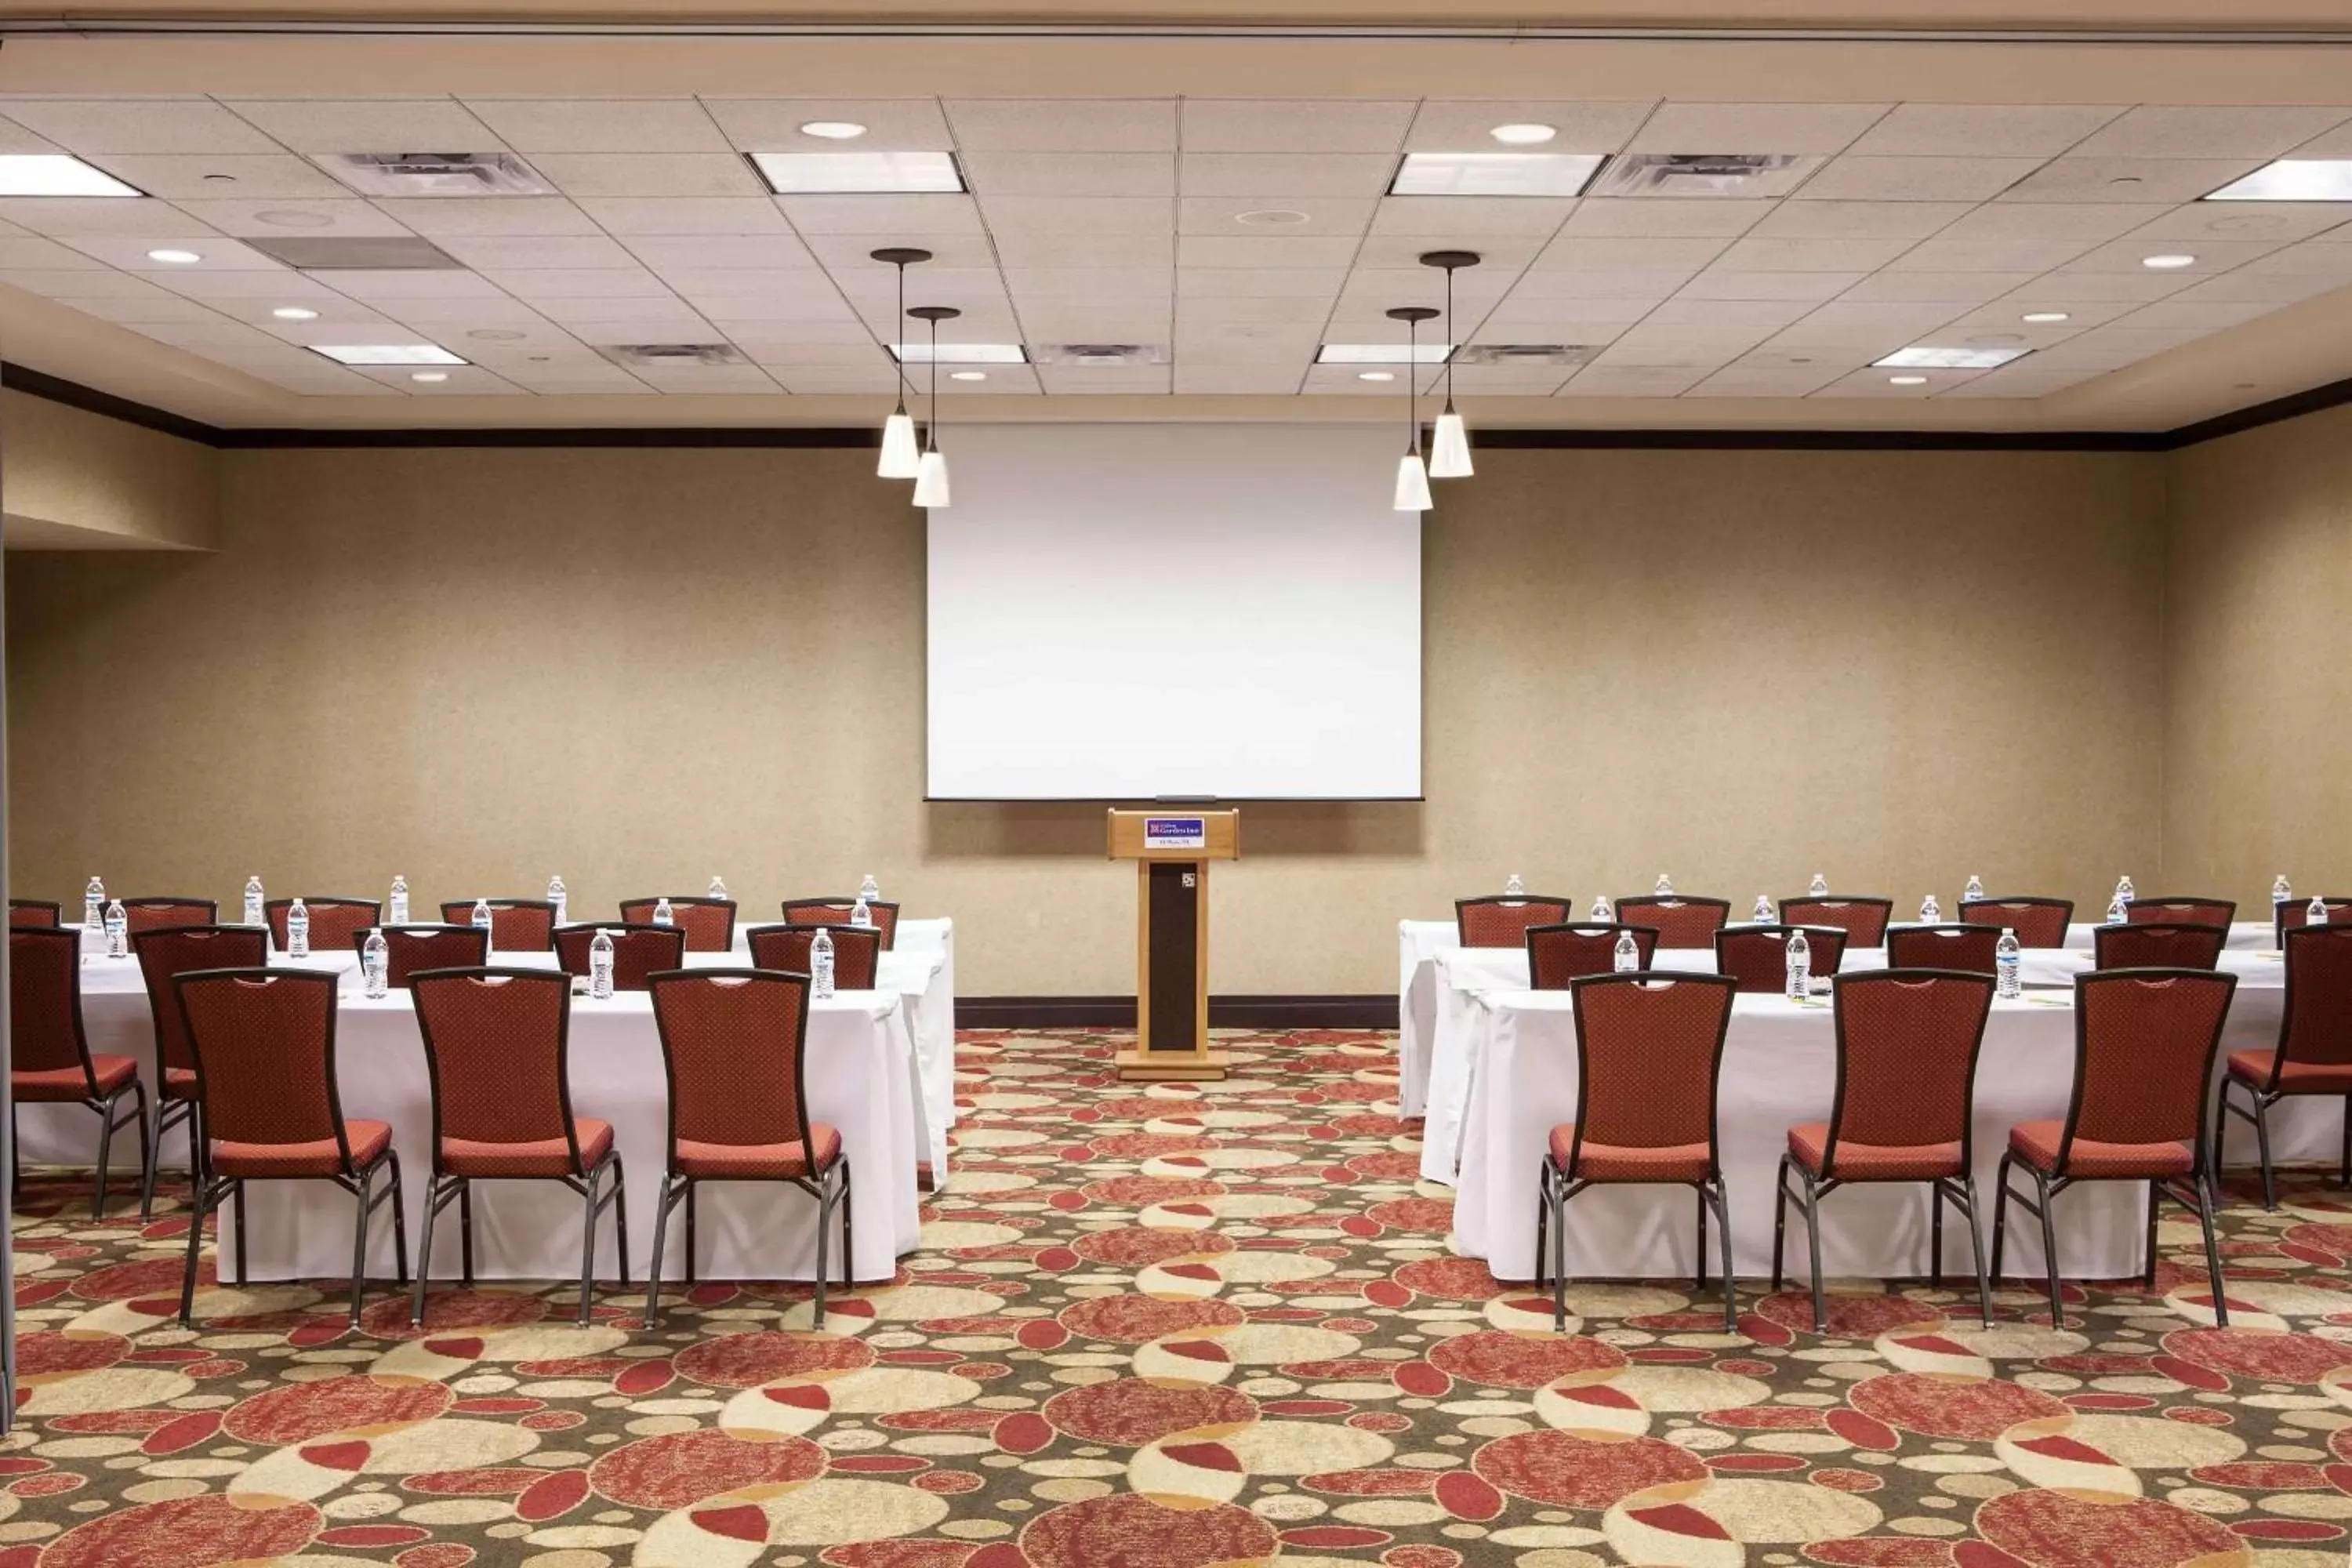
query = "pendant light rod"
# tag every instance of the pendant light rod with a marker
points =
(901, 257)
(931, 471)
(1452, 262)
(900, 457)
(1412, 316)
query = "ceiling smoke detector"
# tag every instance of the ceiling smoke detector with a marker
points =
(1749, 174)
(671, 357)
(1098, 354)
(435, 173)
(1526, 353)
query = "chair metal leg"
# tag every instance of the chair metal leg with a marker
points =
(587, 1243)
(2212, 1258)
(168, 1113)
(1701, 1253)
(2262, 1141)
(689, 1233)
(1935, 1236)
(359, 1245)
(2221, 1131)
(849, 1253)
(620, 1218)
(241, 1228)
(2344, 1172)
(105, 1147)
(2000, 1214)
(399, 1220)
(1809, 1194)
(1976, 1250)
(1543, 1222)
(466, 1231)
(2155, 1200)
(2049, 1248)
(1723, 1234)
(1780, 1219)
(200, 1201)
(432, 1196)
(653, 1264)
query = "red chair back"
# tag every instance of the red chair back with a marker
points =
(264, 1042)
(836, 912)
(517, 925)
(333, 921)
(2317, 1026)
(638, 952)
(33, 913)
(1501, 919)
(2148, 945)
(1681, 920)
(2038, 922)
(410, 950)
(44, 1030)
(708, 923)
(1863, 921)
(164, 955)
(2292, 915)
(1558, 955)
(2144, 1045)
(856, 952)
(735, 1043)
(1649, 1048)
(2181, 912)
(1967, 948)
(165, 914)
(1757, 956)
(1908, 1042)
(496, 1043)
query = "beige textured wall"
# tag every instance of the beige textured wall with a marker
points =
(73, 473)
(637, 667)
(2258, 736)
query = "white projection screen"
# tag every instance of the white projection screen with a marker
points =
(1139, 612)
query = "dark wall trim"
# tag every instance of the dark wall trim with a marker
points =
(57, 389)
(1376, 1012)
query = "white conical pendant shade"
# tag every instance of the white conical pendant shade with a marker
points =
(931, 479)
(1413, 484)
(1449, 449)
(900, 457)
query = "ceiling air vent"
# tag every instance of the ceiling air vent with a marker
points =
(436, 173)
(1098, 354)
(672, 356)
(375, 253)
(1703, 174)
(1526, 353)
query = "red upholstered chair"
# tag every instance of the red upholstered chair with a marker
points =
(2038, 922)
(163, 955)
(1649, 1051)
(1908, 1042)
(1680, 920)
(836, 912)
(2144, 1045)
(36, 914)
(411, 950)
(1863, 921)
(736, 1044)
(639, 952)
(164, 914)
(1757, 956)
(1558, 955)
(1501, 919)
(517, 925)
(333, 921)
(708, 923)
(2314, 1055)
(494, 1044)
(856, 952)
(50, 1061)
(264, 1040)
(2151, 945)
(1967, 948)
(2181, 911)
(2292, 915)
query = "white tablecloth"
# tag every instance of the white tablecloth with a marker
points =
(1780, 1068)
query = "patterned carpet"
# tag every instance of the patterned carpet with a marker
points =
(1170, 1327)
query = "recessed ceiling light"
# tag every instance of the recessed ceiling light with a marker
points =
(858, 173)
(2045, 318)
(2291, 180)
(962, 353)
(1383, 354)
(295, 313)
(428, 375)
(1907, 380)
(834, 129)
(386, 353)
(1523, 135)
(56, 174)
(967, 376)
(2168, 262)
(1376, 375)
(1933, 357)
(1494, 173)
(1271, 217)
(175, 256)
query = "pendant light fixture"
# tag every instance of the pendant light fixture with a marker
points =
(899, 456)
(932, 469)
(1449, 442)
(1412, 477)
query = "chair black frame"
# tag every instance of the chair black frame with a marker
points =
(104, 1105)
(418, 928)
(56, 913)
(846, 903)
(1645, 944)
(751, 935)
(1886, 907)
(211, 1190)
(2196, 1197)
(444, 1189)
(1813, 934)
(171, 1112)
(1940, 932)
(623, 931)
(2066, 907)
(273, 913)
(1671, 901)
(1566, 906)
(676, 1188)
(2338, 907)
(1960, 1192)
(460, 913)
(2228, 906)
(1557, 1186)
(2262, 1098)
(211, 907)
(2104, 936)
(675, 901)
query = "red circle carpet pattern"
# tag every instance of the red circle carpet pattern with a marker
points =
(1179, 1326)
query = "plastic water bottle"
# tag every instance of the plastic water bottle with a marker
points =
(820, 962)
(2008, 966)
(2316, 915)
(1628, 955)
(1800, 966)
(93, 904)
(1974, 892)
(298, 931)
(869, 889)
(2282, 893)
(1930, 912)
(1512, 887)
(1600, 911)
(1665, 885)
(118, 930)
(663, 914)
(562, 900)
(253, 910)
(376, 963)
(2123, 894)
(600, 966)
(859, 915)
(482, 923)
(1762, 914)
(718, 887)
(1818, 888)
(2119, 911)
(398, 903)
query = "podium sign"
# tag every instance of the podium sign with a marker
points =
(1172, 850)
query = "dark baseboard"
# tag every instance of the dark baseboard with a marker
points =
(1372, 1012)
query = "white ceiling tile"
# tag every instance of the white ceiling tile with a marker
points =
(1569, 253)
(855, 252)
(1762, 315)
(2018, 382)
(2212, 255)
(16, 138)
(709, 380)
(1862, 321)
(1986, 129)
(1244, 251)
(1739, 380)
(462, 312)
(1723, 282)
(1755, 253)
(1946, 255)
(1255, 340)
(799, 305)
(676, 174)
(1252, 307)
(1755, 127)
(590, 380)
(1937, 287)
(149, 304)
(2138, 284)
(498, 342)
(1016, 249)
(2260, 221)
(875, 289)
(137, 125)
(2203, 316)
(1630, 381)
(416, 285)
(1038, 216)
(599, 124)
(608, 321)
(1857, 177)
(1389, 288)
(824, 383)
(1462, 125)
(2090, 223)
(1064, 323)
(1053, 125)
(886, 216)
(81, 282)
(1681, 342)
(1615, 217)
(999, 381)
(1559, 321)
(1630, 282)
(1317, 216)
(250, 175)
(2311, 259)
(773, 124)
(769, 280)
(218, 252)
(1472, 217)
(1854, 220)
(2155, 131)
(298, 219)
(1088, 381)
(492, 252)
(1347, 381)
(435, 216)
(2090, 352)
(30, 254)
(1497, 253)
(281, 287)
(2245, 285)
(1821, 360)
(752, 335)
(2011, 309)
(1286, 174)
(535, 284)
(464, 381)
(1247, 282)
(1237, 381)
(1874, 382)
(2336, 144)
(1273, 125)
(366, 125)
(2142, 180)
(1089, 282)
(993, 174)
(63, 215)
(659, 215)
(863, 356)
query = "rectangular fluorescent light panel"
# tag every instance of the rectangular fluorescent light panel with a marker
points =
(858, 173)
(2291, 180)
(1927, 357)
(1383, 354)
(1494, 173)
(962, 353)
(386, 353)
(56, 174)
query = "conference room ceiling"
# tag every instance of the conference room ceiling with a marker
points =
(1221, 202)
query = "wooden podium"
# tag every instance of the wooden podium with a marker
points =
(1172, 850)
